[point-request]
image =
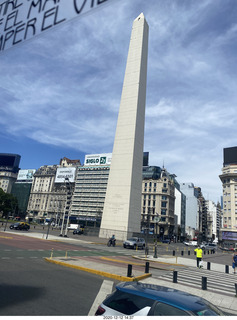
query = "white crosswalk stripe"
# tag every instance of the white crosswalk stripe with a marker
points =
(216, 281)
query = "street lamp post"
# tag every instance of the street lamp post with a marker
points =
(67, 207)
(156, 220)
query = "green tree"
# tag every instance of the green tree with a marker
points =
(8, 203)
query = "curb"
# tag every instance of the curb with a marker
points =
(101, 273)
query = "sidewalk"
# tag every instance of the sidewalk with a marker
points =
(119, 272)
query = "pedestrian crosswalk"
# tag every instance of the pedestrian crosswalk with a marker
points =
(218, 282)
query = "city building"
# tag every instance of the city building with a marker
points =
(213, 220)
(158, 198)
(202, 221)
(9, 167)
(229, 184)
(49, 192)
(192, 207)
(90, 189)
(21, 190)
(180, 212)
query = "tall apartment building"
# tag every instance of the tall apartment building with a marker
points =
(192, 208)
(229, 184)
(90, 189)
(158, 197)
(9, 167)
(180, 212)
(202, 221)
(213, 219)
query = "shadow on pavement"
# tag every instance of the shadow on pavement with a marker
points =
(13, 295)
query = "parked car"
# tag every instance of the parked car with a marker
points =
(142, 299)
(134, 243)
(191, 243)
(20, 226)
(79, 230)
(166, 241)
(209, 246)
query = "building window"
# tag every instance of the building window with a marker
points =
(163, 204)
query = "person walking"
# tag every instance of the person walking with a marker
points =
(198, 251)
(234, 260)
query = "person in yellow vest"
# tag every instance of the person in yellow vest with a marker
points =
(198, 255)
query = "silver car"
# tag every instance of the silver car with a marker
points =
(209, 246)
(134, 243)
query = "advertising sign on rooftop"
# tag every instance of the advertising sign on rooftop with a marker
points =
(21, 20)
(25, 174)
(65, 173)
(98, 159)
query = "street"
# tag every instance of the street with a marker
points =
(31, 286)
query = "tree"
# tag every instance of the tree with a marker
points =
(8, 203)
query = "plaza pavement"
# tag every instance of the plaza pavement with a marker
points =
(104, 268)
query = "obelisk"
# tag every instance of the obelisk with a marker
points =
(122, 207)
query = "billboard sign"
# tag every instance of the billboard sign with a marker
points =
(21, 20)
(98, 159)
(26, 174)
(229, 235)
(65, 172)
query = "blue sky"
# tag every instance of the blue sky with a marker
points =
(60, 92)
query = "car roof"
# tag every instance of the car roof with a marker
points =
(171, 296)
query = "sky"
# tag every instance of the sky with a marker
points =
(60, 91)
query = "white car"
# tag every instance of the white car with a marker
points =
(191, 243)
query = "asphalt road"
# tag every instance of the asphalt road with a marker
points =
(31, 286)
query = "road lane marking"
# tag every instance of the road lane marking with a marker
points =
(105, 289)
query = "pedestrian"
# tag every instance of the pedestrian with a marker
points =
(234, 260)
(198, 255)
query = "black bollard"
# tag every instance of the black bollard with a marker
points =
(209, 266)
(175, 276)
(147, 267)
(204, 251)
(226, 269)
(173, 253)
(236, 289)
(129, 273)
(189, 252)
(182, 253)
(208, 251)
(204, 283)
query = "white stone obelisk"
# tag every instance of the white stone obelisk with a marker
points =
(122, 207)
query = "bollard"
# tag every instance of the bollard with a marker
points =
(236, 289)
(207, 251)
(226, 269)
(209, 266)
(182, 253)
(147, 267)
(129, 273)
(189, 252)
(204, 252)
(195, 253)
(175, 276)
(204, 283)
(51, 254)
(173, 253)
(66, 254)
(155, 252)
